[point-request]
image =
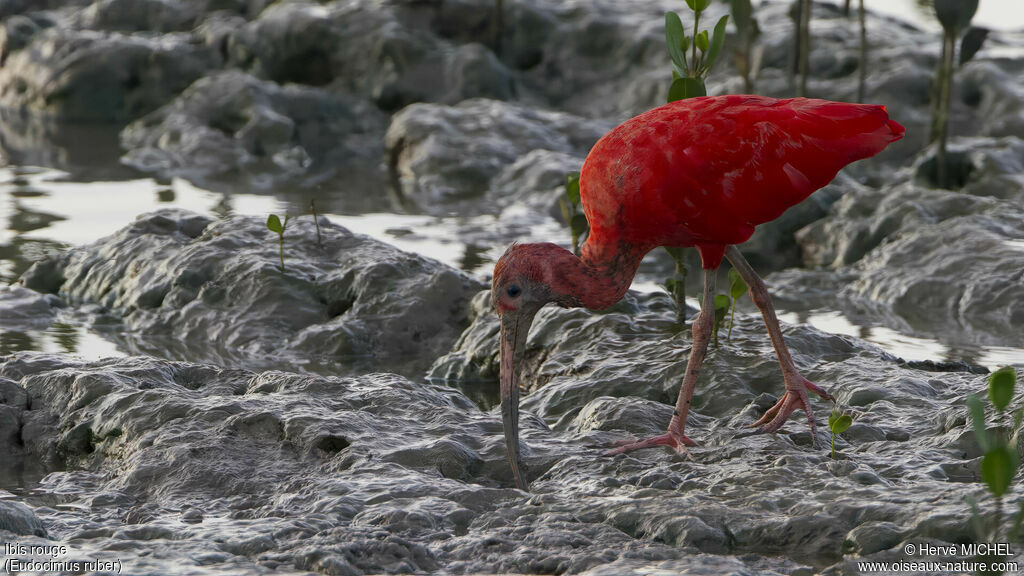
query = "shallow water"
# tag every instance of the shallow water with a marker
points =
(994, 14)
(47, 210)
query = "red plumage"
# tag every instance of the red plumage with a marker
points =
(701, 172)
(705, 171)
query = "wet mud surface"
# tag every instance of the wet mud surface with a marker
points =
(338, 417)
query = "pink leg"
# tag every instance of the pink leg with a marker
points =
(796, 396)
(702, 328)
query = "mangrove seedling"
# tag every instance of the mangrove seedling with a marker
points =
(316, 220)
(572, 211)
(497, 27)
(676, 284)
(737, 287)
(274, 224)
(688, 81)
(689, 74)
(721, 309)
(838, 422)
(863, 76)
(801, 45)
(746, 55)
(955, 17)
(1000, 462)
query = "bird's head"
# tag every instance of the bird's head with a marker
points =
(526, 277)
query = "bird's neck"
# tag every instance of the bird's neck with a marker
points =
(601, 277)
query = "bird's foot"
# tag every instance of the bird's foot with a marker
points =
(675, 440)
(795, 398)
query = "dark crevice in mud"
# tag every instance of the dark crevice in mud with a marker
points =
(483, 393)
(19, 474)
(332, 444)
(959, 168)
(229, 123)
(336, 308)
(312, 68)
(77, 442)
(943, 366)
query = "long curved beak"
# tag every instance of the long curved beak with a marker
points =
(514, 329)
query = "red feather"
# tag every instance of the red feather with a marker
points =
(705, 171)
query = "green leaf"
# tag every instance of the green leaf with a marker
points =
(998, 468)
(700, 5)
(702, 41)
(1017, 521)
(274, 224)
(676, 252)
(955, 14)
(741, 11)
(572, 188)
(563, 205)
(692, 4)
(972, 42)
(979, 529)
(675, 38)
(683, 88)
(721, 309)
(737, 287)
(717, 39)
(722, 303)
(977, 412)
(578, 226)
(1000, 387)
(839, 422)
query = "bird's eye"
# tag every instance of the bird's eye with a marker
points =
(513, 291)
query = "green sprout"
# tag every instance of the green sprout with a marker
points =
(1000, 462)
(689, 75)
(955, 17)
(316, 220)
(688, 81)
(497, 27)
(745, 54)
(737, 288)
(572, 211)
(722, 302)
(274, 224)
(676, 285)
(838, 422)
(802, 40)
(863, 73)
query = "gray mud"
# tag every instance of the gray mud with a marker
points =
(338, 417)
(178, 284)
(227, 470)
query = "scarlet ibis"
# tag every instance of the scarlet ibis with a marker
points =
(699, 172)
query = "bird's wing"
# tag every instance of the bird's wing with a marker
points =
(707, 170)
(758, 156)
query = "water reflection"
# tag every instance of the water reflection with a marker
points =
(65, 336)
(18, 253)
(12, 341)
(49, 211)
(905, 346)
(20, 475)
(60, 338)
(474, 257)
(165, 195)
(85, 151)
